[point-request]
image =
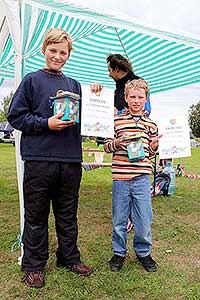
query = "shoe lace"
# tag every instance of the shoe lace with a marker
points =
(40, 274)
(34, 276)
(117, 259)
(148, 260)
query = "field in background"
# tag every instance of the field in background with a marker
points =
(176, 233)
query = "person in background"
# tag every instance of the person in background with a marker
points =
(51, 149)
(121, 71)
(131, 179)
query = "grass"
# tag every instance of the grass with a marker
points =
(175, 230)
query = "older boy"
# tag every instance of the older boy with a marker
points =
(131, 179)
(51, 149)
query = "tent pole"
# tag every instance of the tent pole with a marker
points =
(19, 162)
(12, 11)
(154, 177)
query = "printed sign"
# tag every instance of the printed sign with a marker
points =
(97, 114)
(175, 142)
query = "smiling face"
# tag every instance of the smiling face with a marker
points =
(136, 99)
(56, 55)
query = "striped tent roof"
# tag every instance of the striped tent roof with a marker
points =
(164, 59)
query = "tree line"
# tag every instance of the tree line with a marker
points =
(193, 118)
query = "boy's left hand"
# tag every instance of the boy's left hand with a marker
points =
(155, 142)
(55, 122)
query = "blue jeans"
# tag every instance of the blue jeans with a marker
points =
(132, 198)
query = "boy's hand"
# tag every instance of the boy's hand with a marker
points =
(121, 142)
(55, 122)
(155, 142)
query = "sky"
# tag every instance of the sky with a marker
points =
(174, 102)
(5, 89)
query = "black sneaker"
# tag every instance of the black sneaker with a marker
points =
(116, 263)
(148, 263)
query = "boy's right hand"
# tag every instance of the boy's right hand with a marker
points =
(55, 122)
(121, 142)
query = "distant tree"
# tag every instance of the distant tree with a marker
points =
(5, 106)
(194, 119)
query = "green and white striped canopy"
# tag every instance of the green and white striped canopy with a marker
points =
(164, 59)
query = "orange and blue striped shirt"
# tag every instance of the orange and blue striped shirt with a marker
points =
(122, 168)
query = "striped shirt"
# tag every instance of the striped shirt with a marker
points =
(122, 168)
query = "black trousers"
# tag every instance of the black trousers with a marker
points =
(59, 182)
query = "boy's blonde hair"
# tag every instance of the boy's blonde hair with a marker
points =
(56, 35)
(137, 84)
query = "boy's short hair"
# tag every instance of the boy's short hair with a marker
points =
(137, 84)
(56, 35)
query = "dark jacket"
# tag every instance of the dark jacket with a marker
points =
(29, 112)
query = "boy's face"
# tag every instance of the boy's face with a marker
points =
(56, 55)
(136, 99)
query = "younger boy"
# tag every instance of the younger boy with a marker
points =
(131, 180)
(51, 149)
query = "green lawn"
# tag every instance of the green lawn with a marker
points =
(176, 242)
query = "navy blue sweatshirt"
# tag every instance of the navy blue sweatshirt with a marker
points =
(29, 112)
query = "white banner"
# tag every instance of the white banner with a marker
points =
(97, 113)
(175, 142)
